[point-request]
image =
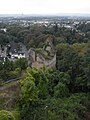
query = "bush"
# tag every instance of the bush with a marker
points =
(61, 90)
(6, 115)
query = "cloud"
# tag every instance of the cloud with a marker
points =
(44, 6)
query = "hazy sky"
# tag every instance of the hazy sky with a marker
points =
(44, 6)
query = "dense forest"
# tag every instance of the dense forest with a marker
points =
(60, 93)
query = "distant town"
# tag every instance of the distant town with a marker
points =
(13, 50)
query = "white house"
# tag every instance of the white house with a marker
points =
(18, 55)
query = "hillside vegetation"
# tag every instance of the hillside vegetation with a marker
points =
(59, 93)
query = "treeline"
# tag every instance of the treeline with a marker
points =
(75, 61)
(35, 35)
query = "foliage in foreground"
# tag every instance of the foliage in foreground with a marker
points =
(45, 97)
(6, 115)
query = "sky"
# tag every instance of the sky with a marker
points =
(44, 6)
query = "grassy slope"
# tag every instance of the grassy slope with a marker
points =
(9, 95)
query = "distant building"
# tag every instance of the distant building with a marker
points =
(21, 55)
(15, 51)
(2, 59)
(13, 48)
(4, 29)
(18, 55)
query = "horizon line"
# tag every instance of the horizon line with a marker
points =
(52, 14)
